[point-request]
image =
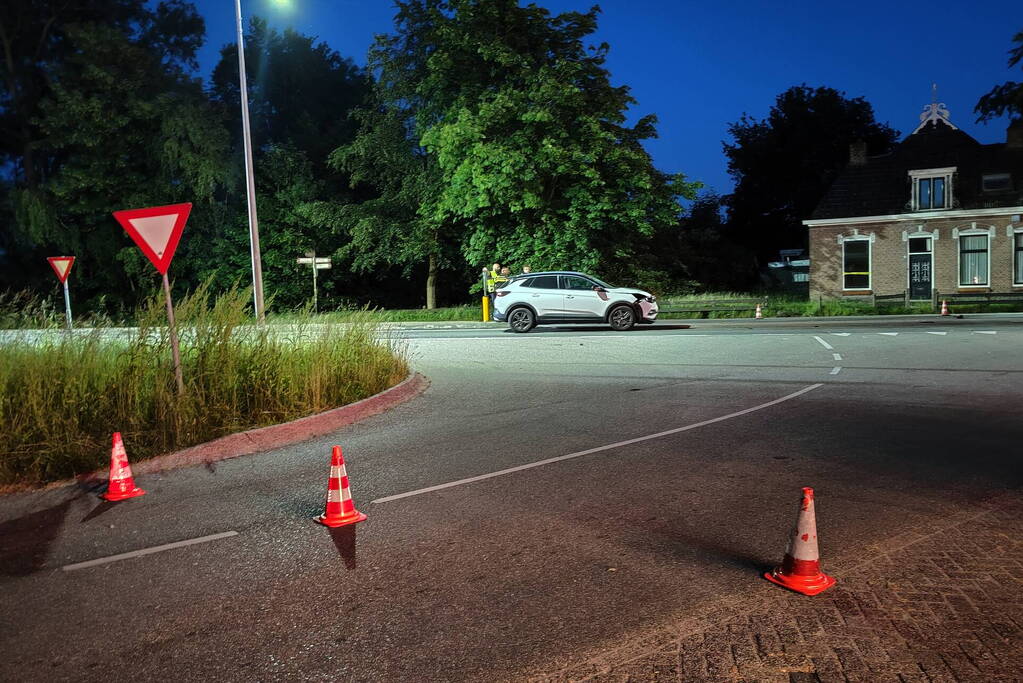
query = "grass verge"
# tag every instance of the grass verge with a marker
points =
(63, 396)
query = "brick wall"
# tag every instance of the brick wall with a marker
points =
(889, 260)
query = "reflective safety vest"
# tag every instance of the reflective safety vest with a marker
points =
(492, 279)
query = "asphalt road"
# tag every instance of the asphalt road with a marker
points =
(897, 424)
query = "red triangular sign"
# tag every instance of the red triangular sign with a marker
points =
(156, 230)
(61, 265)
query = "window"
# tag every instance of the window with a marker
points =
(919, 245)
(973, 260)
(996, 182)
(544, 282)
(1017, 256)
(576, 283)
(856, 264)
(932, 188)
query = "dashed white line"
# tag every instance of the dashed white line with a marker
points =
(984, 332)
(941, 333)
(598, 449)
(147, 551)
(836, 370)
(837, 356)
(889, 334)
(826, 345)
(840, 334)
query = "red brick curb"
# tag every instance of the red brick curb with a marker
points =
(275, 436)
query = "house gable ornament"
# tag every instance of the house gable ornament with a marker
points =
(935, 112)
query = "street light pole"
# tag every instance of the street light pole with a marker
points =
(250, 181)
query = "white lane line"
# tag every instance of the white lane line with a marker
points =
(147, 551)
(835, 371)
(598, 449)
(984, 332)
(836, 356)
(840, 334)
(941, 333)
(826, 345)
(889, 334)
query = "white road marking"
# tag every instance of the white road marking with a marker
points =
(840, 334)
(598, 449)
(984, 332)
(889, 334)
(147, 551)
(835, 371)
(826, 345)
(836, 356)
(941, 333)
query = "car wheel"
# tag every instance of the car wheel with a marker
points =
(622, 318)
(521, 320)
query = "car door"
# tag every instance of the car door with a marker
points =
(582, 301)
(544, 295)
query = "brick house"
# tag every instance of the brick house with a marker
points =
(939, 213)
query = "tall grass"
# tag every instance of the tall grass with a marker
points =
(63, 396)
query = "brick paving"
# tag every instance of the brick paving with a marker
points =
(946, 605)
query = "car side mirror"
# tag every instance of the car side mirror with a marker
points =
(598, 289)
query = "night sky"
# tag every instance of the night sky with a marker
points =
(700, 65)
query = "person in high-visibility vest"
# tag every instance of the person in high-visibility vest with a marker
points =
(492, 276)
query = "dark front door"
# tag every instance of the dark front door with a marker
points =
(919, 276)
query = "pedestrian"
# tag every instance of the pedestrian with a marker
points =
(526, 270)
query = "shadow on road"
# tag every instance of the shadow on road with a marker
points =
(562, 329)
(344, 541)
(104, 506)
(25, 541)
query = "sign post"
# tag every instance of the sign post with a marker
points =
(157, 230)
(62, 267)
(322, 263)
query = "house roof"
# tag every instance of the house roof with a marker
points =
(881, 186)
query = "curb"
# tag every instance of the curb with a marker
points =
(275, 436)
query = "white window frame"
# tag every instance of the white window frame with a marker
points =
(924, 173)
(1013, 231)
(869, 239)
(972, 232)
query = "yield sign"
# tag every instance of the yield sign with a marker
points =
(61, 266)
(156, 230)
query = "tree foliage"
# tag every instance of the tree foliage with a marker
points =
(1006, 98)
(784, 164)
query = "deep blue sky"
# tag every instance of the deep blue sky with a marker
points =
(700, 65)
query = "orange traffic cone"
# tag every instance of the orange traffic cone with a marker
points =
(340, 508)
(758, 315)
(944, 307)
(800, 571)
(121, 485)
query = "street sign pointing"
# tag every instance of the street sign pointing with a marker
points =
(61, 266)
(156, 230)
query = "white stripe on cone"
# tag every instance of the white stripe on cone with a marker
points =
(803, 544)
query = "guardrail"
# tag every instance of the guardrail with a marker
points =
(708, 306)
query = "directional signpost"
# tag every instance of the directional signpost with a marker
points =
(321, 263)
(157, 231)
(62, 267)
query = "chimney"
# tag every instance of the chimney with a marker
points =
(1014, 135)
(858, 153)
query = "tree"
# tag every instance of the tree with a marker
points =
(1006, 98)
(784, 164)
(119, 124)
(513, 140)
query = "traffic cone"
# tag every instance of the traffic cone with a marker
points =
(340, 509)
(800, 571)
(121, 485)
(758, 315)
(944, 307)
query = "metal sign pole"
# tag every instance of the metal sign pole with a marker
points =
(175, 351)
(67, 305)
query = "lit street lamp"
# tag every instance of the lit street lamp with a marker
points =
(250, 181)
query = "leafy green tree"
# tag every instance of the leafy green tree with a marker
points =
(1006, 98)
(515, 139)
(784, 164)
(121, 124)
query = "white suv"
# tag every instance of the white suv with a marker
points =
(566, 297)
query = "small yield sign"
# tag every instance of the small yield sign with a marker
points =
(62, 267)
(157, 230)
